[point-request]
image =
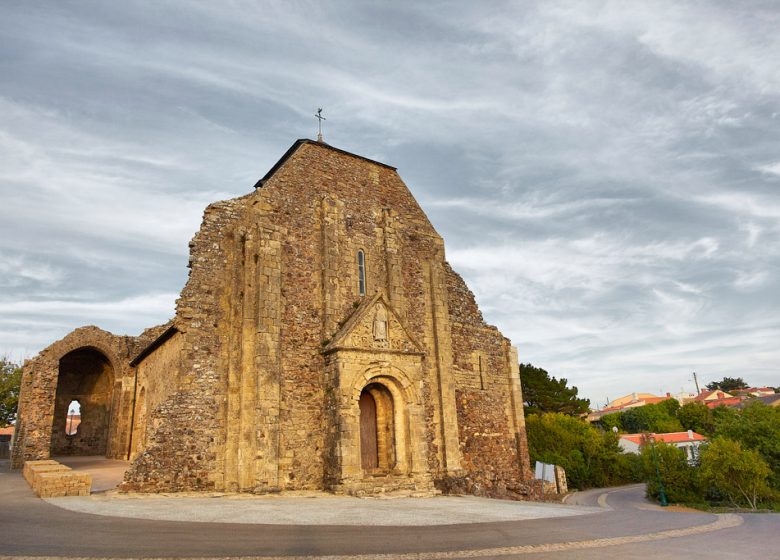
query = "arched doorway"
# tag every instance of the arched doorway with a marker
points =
(377, 429)
(85, 377)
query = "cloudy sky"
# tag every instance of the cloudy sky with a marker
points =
(606, 175)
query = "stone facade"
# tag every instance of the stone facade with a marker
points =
(321, 342)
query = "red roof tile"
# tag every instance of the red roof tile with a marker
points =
(729, 401)
(673, 437)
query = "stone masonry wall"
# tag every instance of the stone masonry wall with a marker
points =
(38, 396)
(331, 205)
(189, 426)
(493, 441)
(251, 395)
(157, 377)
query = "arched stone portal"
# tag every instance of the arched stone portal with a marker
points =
(85, 375)
(377, 429)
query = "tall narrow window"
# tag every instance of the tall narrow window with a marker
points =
(481, 374)
(361, 262)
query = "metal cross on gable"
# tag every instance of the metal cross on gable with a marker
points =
(320, 118)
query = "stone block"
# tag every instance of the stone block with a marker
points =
(62, 483)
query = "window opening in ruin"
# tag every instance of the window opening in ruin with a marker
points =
(361, 262)
(84, 401)
(73, 419)
(481, 374)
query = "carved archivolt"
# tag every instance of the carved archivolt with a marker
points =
(396, 381)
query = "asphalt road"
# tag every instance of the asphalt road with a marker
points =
(32, 527)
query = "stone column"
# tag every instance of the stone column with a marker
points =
(268, 359)
(331, 275)
(517, 416)
(443, 382)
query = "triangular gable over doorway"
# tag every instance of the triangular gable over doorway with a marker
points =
(374, 326)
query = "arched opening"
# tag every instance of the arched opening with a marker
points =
(84, 390)
(74, 418)
(377, 429)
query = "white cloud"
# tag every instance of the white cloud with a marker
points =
(604, 174)
(770, 168)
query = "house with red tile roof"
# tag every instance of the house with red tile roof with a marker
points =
(754, 392)
(718, 398)
(688, 441)
(623, 403)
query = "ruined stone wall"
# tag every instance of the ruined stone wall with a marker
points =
(157, 377)
(87, 377)
(189, 425)
(491, 426)
(274, 279)
(39, 414)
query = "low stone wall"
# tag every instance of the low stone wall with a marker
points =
(50, 479)
(31, 467)
(62, 483)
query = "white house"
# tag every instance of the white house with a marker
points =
(688, 441)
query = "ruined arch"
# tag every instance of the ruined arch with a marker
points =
(85, 375)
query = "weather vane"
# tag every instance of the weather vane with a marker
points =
(320, 118)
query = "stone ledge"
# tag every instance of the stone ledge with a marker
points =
(47, 465)
(50, 479)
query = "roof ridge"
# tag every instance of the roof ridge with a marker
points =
(300, 142)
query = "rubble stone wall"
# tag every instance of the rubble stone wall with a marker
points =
(258, 390)
(34, 434)
(157, 377)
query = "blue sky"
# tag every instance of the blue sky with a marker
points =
(606, 175)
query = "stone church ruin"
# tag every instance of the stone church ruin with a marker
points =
(322, 342)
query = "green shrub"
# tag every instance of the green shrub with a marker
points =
(629, 468)
(738, 474)
(696, 416)
(590, 456)
(757, 427)
(680, 479)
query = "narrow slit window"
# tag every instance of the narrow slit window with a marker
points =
(361, 262)
(481, 374)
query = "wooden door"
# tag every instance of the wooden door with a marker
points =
(369, 457)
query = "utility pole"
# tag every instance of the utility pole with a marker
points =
(696, 380)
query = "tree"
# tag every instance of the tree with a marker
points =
(757, 427)
(677, 475)
(727, 384)
(590, 457)
(544, 393)
(696, 416)
(10, 381)
(659, 418)
(739, 474)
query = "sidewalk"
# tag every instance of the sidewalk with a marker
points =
(319, 509)
(294, 508)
